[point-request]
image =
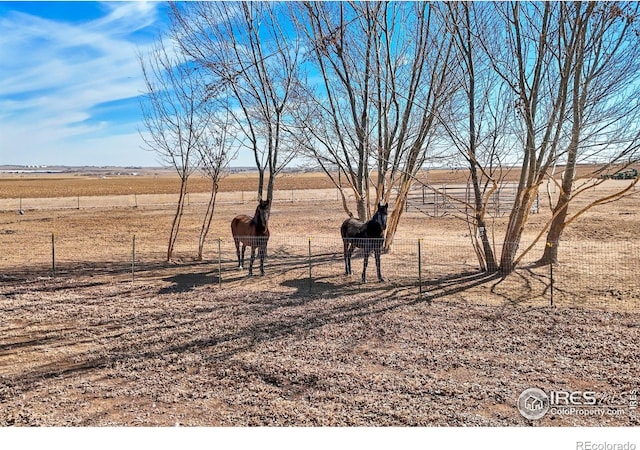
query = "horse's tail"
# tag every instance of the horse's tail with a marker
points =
(233, 226)
(344, 229)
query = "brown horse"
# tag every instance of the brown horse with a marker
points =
(254, 232)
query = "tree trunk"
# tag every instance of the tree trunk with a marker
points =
(361, 206)
(175, 225)
(398, 209)
(270, 187)
(490, 263)
(517, 222)
(489, 256)
(208, 216)
(260, 180)
(489, 259)
(560, 211)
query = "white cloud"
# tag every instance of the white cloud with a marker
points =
(55, 72)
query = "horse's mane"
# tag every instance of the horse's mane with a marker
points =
(373, 228)
(256, 220)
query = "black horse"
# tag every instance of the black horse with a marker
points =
(254, 232)
(368, 236)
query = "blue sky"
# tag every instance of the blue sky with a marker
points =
(70, 81)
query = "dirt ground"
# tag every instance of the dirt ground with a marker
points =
(200, 344)
(98, 353)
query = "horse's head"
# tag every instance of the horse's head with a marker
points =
(381, 215)
(262, 212)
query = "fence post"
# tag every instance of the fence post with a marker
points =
(78, 202)
(133, 259)
(219, 261)
(53, 255)
(549, 244)
(420, 269)
(435, 205)
(445, 200)
(551, 275)
(310, 279)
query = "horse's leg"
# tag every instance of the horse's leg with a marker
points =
(244, 247)
(365, 263)
(253, 256)
(352, 247)
(261, 252)
(237, 242)
(347, 265)
(376, 252)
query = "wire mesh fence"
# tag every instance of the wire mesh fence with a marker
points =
(436, 200)
(439, 200)
(588, 274)
(161, 200)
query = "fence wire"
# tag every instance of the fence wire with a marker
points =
(588, 274)
(161, 200)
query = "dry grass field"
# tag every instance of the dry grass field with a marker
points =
(199, 343)
(160, 181)
(164, 181)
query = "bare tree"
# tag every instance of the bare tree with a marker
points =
(174, 118)
(216, 150)
(476, 120)
(384, 70)
(250, 58)
(604, 103)
(414, 82)
(571, 73)
(526, 56)
(571, 68)
(339, 124)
